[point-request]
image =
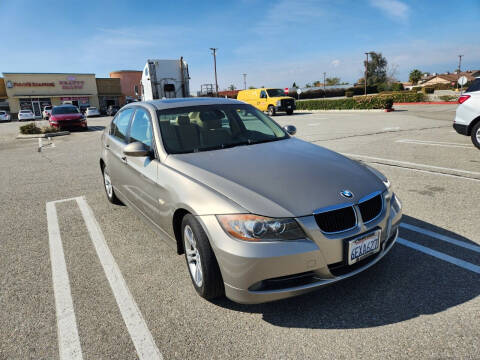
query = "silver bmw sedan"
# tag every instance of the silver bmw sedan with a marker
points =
(259, 214)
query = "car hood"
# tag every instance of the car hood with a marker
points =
(282, 178)
(67, 116)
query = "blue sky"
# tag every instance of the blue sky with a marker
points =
(274, 42)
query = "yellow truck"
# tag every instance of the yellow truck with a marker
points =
(265, 99)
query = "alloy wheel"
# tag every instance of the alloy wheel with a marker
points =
(193, 256)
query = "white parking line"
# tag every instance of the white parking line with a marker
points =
(136, 325)
(68, 340)
(412, 164)
(439, 255)
(441, 237)
(429, 172)
(431, 143)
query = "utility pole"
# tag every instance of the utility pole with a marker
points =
(215, 68)
(366, 74)
(244, 81)
(459, 66)
(324, 94)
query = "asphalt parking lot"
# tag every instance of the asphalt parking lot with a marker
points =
(132, 295)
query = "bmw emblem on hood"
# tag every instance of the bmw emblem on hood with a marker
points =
(346, 194)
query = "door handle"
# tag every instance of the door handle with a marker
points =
(124, 159)
(107, 146)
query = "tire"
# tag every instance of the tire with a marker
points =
(476, 135)
(289, 112)
(271, 110)
(199, 256)
(109, 191)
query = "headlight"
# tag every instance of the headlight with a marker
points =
(279, 102)
(249, 227)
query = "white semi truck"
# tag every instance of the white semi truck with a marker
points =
(165, 79)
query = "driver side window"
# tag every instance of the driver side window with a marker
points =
(141, 128)
(263, 94)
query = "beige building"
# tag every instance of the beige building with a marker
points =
(109, 92)
(35, 91)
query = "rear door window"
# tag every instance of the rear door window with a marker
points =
(120, 123)
(475, 86)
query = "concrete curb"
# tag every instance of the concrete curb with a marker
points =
(335, 110)
(35, 136)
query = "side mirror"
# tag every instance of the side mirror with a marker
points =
(136, 149)
(290, 129)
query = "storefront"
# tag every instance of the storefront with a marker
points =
(35, 91)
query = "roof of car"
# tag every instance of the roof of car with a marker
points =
(183, 102)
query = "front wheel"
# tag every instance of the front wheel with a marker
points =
(202, 264)
(271, 110)
(476, 135)
(107, 184)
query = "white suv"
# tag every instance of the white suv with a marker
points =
(467, 118)
(47, 112)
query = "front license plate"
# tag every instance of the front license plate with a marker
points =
(363, 246)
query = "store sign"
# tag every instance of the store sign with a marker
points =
(71, 84)
(32, 84)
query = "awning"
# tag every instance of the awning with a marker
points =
(52, 95)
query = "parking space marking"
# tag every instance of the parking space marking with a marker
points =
(433, 143)
(413, 164)
(439, 255)
(136, 325)
(67, 332)
(428, 172)
(441, 237)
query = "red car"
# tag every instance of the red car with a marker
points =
(67, 117)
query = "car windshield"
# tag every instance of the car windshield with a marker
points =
(211, 127)
(92, 108)
(275, 92)
(475, 85)
(64, 110)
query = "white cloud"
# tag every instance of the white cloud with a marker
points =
(395, 9)
(335, 63)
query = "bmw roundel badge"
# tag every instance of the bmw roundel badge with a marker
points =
(346, 194)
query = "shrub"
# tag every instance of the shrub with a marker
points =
(30, 128)
(397, 87)
(448, 98)
(416, 88)
(406, 96)
(49, 129)
(428, 90)
(360, 102)
(349, 93)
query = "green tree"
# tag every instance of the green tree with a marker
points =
(317, 83)
(415, 76)
(332, 81)
(294, 85)
(231, 87)
(252, 87)
(376, 69)
(308, 85)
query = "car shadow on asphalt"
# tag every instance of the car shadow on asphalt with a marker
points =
(96, 128)
(403, 285)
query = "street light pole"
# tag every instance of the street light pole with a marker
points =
(459, 66)
(366, 74)
(244, 81)
(215, 68)
(324, 94)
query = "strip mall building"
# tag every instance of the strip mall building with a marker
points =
(36, 90)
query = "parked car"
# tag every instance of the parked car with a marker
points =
(467, 117)
(112, 110)
(271, 100)
(259, 214)
(4, 116)
(67, 117)
(92, 112)
(26, 114)
(47, 111)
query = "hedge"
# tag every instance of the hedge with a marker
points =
(360, 102)
(406, 96)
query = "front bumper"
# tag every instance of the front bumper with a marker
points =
(262, 272)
